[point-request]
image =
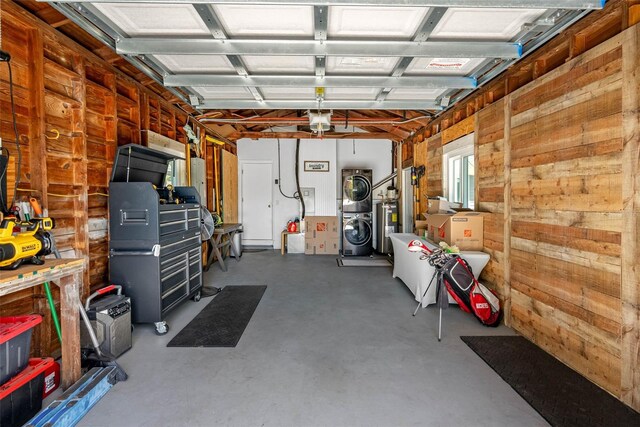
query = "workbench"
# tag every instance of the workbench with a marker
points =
(67, 275)
(217, 244)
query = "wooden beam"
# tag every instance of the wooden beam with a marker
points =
(81, 202)
(60, 23)
(507, 212)
(459, 130)
(308, 135)
(410, 115)
(633, 15)
(38, 166)
(37, 143)
(401, 134)
(630, 291)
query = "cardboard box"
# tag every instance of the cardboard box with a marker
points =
(321, 235)
(421, 228)
(463, 229)
(435, 206)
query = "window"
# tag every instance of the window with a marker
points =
(176, 173)
(459, 171)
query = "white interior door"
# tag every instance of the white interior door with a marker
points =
(257, 214)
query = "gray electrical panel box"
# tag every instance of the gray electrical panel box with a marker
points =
(199, 179)
(309, 197)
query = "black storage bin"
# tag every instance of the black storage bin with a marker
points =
(21, 397)
(15, 344)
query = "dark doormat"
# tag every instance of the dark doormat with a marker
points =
(561, 395)
(364, 262)
(222, 322)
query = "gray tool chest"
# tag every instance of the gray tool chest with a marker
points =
(154, 248)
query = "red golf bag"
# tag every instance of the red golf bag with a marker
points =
(454, 274)
(471, 295)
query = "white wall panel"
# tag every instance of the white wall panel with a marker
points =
(266, 149)
(323, 182)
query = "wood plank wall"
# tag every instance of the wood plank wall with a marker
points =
(61, 87)
(558, 176)
(566, 202)
(630, 286)
(595, 28)
(420, 158)
(490, 194)
(428, 153)
(434, 169)
(229, 187)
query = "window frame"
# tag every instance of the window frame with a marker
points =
(460, 148)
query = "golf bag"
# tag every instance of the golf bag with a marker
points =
(471, 295)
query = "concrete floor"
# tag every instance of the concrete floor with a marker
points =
(327, 346)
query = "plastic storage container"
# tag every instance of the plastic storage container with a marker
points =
(15, 342)
(21, 397)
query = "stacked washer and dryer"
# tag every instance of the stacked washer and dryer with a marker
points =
(357, 212)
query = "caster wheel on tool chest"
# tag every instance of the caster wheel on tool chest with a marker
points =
(197, 296)
(161, 328)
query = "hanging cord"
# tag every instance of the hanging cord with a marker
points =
(3, 206)
(298, 177)
(6, 58)
(295, 195)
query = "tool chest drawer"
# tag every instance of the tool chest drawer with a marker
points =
(179, 219)
(179, 244)
(173, 274)
(174, 296)
(195, 269)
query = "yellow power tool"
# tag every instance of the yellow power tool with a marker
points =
(33, 241)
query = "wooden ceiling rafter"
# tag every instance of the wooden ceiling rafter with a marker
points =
(395, 130)
(309, 135)
(403, 122)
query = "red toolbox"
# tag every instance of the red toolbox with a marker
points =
(15, 341)
(21, 397)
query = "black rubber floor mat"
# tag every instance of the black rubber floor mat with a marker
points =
(561, 396)
(222, 322)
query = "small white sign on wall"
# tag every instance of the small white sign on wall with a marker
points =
(316, 166)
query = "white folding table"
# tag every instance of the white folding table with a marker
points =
(416, 273)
